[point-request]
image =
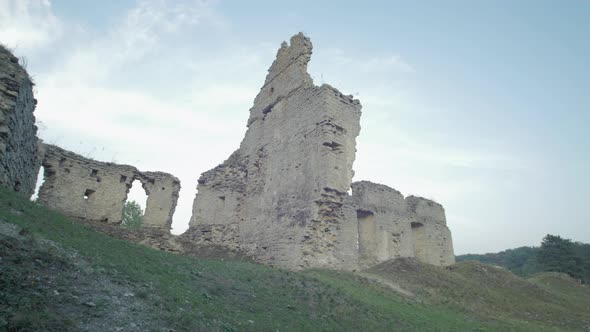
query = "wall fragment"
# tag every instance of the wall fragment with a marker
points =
(88, 189)
(19, 163)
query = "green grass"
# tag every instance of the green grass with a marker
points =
(186, 293)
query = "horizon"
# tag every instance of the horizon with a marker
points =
(462, 110)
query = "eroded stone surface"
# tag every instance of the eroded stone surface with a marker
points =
(287, 180)
(391, 226)
(19, 164)
(282, 196)
(94, 190)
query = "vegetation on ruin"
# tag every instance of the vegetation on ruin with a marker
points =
(132, 215)
(58, 275)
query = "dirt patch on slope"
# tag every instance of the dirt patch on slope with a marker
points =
(44, 287)
(484, 290)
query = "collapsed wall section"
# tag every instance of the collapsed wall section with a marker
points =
(19, 162)
(391, 226)
(93, 190)
(431, 236)
(162, 190)
(383, 229)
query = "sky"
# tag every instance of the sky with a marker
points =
(483, 106)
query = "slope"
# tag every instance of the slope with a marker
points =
(56, 274)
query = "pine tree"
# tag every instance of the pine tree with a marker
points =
(557, 255)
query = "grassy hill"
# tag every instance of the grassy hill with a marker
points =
(520, 261)
(523, 261)
(57, 275)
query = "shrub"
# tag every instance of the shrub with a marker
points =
(132, 215)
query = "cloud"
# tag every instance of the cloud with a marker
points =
(146, 30)
(456, 157)
(126, 97)
(407, 141)
(97, 76)
(150, 21)
(391, 62)
(387, 63)
(28, 24)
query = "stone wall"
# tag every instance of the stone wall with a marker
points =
(93, 190)
(19, 163)
(162, 190)
(391, 226)
(431, 236)
(383, 229)
(282, 196)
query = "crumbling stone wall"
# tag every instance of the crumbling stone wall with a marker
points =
(93, 190)
(162, 190)
(383, 229)
(19, 164)
(391, 226)
(282, 196)
(287, 180)
(430, 234)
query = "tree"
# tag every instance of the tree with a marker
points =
(132, 215)
(582, 250)
(558, 255)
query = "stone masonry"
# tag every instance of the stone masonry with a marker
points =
(93, 190)
(282, 196)
(19, 163)
(391, 226)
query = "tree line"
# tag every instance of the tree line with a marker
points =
(556, 254)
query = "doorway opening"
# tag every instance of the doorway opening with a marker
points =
(135, 205)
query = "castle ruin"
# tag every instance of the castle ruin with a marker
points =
(282, 198)
(283, 195)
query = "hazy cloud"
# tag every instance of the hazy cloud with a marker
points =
(28, 24)
(383, 63)
(83, 106)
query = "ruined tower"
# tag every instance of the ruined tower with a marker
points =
(282, 196)
(287, 180)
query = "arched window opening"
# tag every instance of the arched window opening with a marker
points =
(134, 208)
